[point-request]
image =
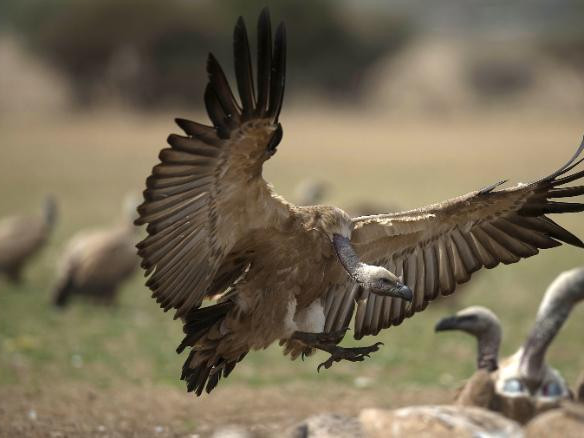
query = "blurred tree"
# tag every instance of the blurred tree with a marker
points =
(151, 52)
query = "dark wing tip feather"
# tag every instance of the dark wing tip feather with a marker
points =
(548, 188)
(204, 133)
(243, 70)
(278, 80)
(264, 61)
(218, 82)
(275, 140)
(566, 167)
(492, 187)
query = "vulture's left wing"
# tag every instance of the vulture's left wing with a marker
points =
(207, 193)
(438, 247)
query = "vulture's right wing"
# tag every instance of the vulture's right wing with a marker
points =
(438, 247)
(207, 193)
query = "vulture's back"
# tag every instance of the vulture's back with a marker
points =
(20, 238)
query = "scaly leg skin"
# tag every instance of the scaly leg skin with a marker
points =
(357, 354)
(328, 342)
(311, 339)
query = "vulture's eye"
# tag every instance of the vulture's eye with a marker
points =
(513, 386)
(552, 389)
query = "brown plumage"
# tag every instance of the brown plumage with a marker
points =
(437, 421)
(21, 237)
(523, 384)
(565, 422)
(95, 263)
(217, 230)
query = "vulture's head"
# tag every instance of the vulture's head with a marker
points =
(484, 325)
(475, 320)
(380, 281)
(376, 279)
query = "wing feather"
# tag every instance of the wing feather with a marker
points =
(243, 69)
(445, 268)
(264, 63)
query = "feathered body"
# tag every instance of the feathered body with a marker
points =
(216, 230)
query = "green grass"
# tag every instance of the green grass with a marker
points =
(89, 162)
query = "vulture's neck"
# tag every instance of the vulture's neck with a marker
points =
(488, 350)
(356, 269)
(560, 297)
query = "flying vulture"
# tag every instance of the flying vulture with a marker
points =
(22, 237)
(279, 272)
(523, 384)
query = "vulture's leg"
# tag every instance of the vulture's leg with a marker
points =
(311, 339)
(328, 342)
(337, 353)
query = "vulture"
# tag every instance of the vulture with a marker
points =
(273, 271)
(310, 192)
(426, 421)
(21, 237)
(580, 388)
(566, 422)
(437, 421)
(523, 384)
(95, 263)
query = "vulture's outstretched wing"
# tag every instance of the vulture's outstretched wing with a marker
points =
(438, 247)
(200, 200)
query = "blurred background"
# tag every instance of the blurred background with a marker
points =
(396, 104)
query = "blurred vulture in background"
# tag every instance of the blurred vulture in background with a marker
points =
(580, 388)
(95, 263)
(313, 192)
(310, 192)
(435, 421)
(523, 384)
(21, 237)
(565, 422)
(278, 272)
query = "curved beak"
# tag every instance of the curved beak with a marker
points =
(448, 323)
(403, 292)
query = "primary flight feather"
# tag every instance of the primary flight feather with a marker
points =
(279, 272)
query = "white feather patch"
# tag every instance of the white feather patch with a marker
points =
(311, 319)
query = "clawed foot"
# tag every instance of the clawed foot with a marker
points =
(357, 354)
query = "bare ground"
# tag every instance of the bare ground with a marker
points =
(85, 411)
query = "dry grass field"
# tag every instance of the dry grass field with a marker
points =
(99, 371)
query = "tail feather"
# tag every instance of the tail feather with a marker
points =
(199, 321)
(203, 368)
(208, 372)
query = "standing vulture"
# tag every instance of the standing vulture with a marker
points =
(216, 229)
(523, 384)
(96, 262)
(21, 237)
